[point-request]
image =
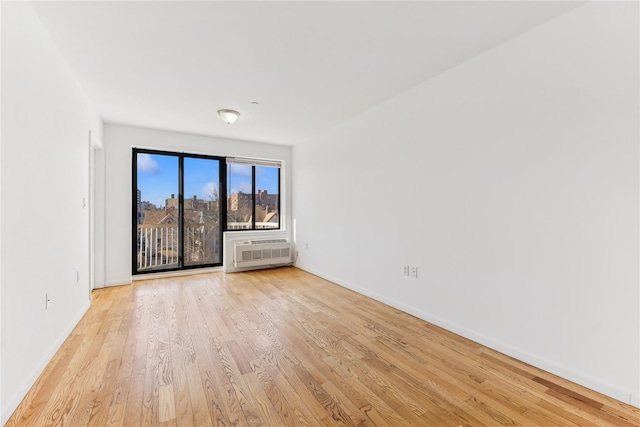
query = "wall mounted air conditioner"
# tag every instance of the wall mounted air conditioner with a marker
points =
(265, 252)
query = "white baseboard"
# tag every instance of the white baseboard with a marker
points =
(13, 401)
(610, 390)
(121, 282)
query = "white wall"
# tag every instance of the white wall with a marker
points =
(511, 182)
(120, 139)
(46, 119)
(1, 410)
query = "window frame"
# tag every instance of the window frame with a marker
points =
(254, 163)
(224, 162)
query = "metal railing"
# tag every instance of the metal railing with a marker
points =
(158, 245)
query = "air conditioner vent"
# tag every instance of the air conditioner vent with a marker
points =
(265, 252)
(267, 241)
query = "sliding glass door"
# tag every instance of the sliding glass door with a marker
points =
(177, 211)
(156, 212)
(201, 215)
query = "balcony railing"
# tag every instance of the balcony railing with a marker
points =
(157, 245)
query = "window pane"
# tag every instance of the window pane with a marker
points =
(239, 188)
(157, 212)
(201, 211)
(267, 197)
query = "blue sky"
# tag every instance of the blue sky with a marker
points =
(158, 178)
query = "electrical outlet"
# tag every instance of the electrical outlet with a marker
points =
(306, 246)
(414, 272)
(47, 301)
(405, 270)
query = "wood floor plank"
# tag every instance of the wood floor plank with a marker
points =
(97, 376)
(166, 403)
(179, 353)
(197, 399)
(134, 378)
(222, 402)
(282, 347)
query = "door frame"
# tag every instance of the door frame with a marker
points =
(95, 145)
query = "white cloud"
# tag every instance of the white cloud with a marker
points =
(209, 191)
(146, 164)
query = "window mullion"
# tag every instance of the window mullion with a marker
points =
(223, 197)
(253, 197)
(181, 211)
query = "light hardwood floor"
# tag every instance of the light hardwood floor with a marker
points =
(283, 347)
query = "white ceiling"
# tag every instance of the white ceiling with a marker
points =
(310, 65)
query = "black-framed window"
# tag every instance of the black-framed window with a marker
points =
(178, 210)
(253, 194)
(183, 202)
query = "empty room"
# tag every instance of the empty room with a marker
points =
(342, 213)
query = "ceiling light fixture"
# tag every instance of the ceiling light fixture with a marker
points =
(228, 116)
